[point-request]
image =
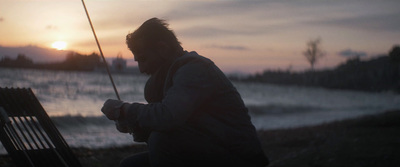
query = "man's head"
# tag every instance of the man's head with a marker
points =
(153, 44)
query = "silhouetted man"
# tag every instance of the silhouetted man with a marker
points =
(194, 115)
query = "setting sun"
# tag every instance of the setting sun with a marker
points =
(59, 45)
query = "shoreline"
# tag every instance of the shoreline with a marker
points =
(370, 140)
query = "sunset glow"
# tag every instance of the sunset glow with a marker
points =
(248, 36)
(59, 45)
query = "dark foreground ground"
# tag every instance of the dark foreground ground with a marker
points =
(366, 141)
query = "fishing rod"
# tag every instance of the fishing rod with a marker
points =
(101, 52)
(102, 55)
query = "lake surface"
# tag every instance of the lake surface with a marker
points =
(74, 99)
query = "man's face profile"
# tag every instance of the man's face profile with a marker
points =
(148, 61)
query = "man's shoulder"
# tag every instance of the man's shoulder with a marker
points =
(192, 58)
(191, 69)
(190, 61)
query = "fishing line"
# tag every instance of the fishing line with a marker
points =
(101, 52)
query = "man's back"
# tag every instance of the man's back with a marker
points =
(219, 118)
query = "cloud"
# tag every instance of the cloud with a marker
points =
(229, 47)
(351, 53)
(206, 31)
(380, 22)
(370, 16)
(201, 9)
(260, 17)
(223, 18)
(204, 19)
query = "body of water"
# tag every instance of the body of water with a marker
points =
(73, 100)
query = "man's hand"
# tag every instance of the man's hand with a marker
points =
(112, 108)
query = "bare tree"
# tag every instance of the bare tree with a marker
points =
(313, 52)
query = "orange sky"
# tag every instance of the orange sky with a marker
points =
(247, 36)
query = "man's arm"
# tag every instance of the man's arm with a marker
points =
(192, 86)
